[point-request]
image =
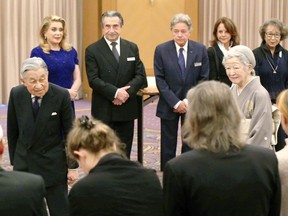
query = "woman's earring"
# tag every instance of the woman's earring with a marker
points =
(45, 37)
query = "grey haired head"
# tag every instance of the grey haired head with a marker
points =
(33, 63)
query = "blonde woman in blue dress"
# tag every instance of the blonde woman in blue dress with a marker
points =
(60, 57)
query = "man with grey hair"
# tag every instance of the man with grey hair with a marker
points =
(115, 73)
(179, 64)
(38, 120)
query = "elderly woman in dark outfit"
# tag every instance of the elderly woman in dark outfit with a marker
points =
(272, 63)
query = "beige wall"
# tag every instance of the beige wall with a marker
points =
(146, 22)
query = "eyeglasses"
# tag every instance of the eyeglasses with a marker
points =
(270, 35)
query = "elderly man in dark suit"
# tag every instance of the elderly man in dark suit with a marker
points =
(20, 193)
(115, 74)
(179, 64)
(38, 120)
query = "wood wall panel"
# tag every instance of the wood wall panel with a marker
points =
(91, 33)
(146, 22)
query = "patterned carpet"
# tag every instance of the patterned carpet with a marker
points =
(151, 135)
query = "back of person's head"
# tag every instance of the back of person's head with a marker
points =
(213, 118)
(94, 136)
(244, 54)
(231, 29)
(282, 105)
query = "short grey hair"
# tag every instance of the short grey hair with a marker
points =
(112, 14)
(181, 18)
(33, 63)
(278, 24)
(243, 53)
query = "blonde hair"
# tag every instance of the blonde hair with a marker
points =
(44, 27)
(213, 118)
(92, 135)
(282, 103)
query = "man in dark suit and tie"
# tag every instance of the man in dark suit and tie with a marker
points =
(115, 74)
(20, 193)
(37, 132)
(179, 64)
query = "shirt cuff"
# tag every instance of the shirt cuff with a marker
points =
(115, 96)
(185, 101)
(177, 104)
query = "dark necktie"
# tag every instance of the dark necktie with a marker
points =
(35, 106)
(181, 62)
(114, 51)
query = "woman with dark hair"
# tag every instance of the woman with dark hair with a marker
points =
(225, 36)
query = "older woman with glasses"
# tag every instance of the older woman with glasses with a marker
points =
(272, 63)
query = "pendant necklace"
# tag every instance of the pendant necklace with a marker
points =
(278, 60)
(274, 69)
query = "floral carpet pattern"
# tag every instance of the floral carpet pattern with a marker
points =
(151, 135)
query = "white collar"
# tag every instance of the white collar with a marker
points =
(222, 48)
(185, 47)
(109, 42)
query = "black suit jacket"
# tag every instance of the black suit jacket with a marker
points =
(21, 194)
(217, 70)
(202, 183)
(105, 76)
(169, 81)
(39, 146)
(118, 187)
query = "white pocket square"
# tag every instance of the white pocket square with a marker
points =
(131, 59)
(54, 113)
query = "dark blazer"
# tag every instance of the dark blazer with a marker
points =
(217, 69)
(105, 76)
(167, 71)
(21, 194)
(202, 183)
(39, 146)
(274, 83)
(118, 187)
